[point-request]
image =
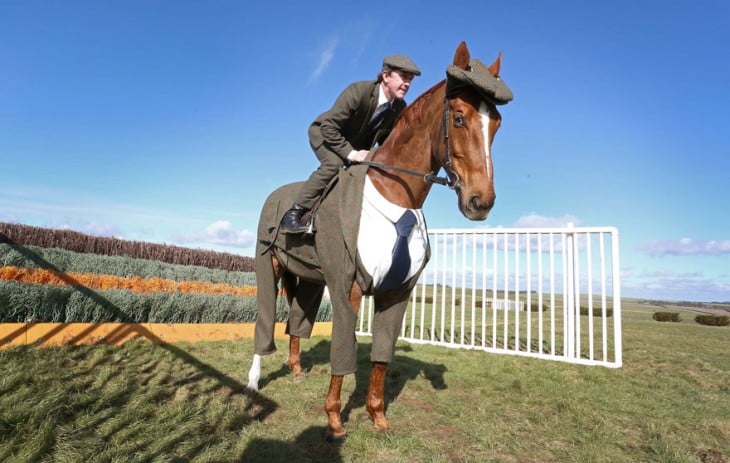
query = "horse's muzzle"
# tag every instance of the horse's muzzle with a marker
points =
(477, 207)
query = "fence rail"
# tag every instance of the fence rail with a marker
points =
(549, 293)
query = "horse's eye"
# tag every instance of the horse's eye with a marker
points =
(459, 120)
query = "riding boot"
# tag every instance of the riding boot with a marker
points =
(292, 220)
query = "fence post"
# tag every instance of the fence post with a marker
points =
(569, 293)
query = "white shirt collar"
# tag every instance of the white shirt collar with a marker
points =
(381, 95)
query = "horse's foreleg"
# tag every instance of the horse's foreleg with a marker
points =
(375, 402)
(254, 374)
(333, 405)
(295, 361)
(344, 345)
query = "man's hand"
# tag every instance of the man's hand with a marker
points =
(358, 156)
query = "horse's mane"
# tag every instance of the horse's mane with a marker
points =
(414, 111)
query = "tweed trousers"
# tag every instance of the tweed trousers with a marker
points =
(330, 164)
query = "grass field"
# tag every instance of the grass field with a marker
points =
(185, 402)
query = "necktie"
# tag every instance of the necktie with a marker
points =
(401, 258)
(378, 116)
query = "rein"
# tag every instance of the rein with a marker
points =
(452, 178)
(429, 177)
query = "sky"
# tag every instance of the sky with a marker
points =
(171, 121)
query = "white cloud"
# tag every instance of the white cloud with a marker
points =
(57, 205)
(220, 232)
(325, 57)
(534, 220)
(668, 285)
(686, 247)
(669, 274)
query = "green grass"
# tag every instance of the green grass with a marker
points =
(185, 402)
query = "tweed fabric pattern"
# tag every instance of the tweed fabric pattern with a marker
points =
(478, 76)
(330, 256)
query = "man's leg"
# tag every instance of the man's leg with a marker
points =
(312, 188)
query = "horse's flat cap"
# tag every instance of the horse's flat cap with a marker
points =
(478, 76)
(402, 63)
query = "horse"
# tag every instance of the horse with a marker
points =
(451, 126)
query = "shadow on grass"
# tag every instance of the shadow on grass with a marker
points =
(401, 370)
(308, 446)
(257, 406)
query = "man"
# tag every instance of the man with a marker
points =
(362, 116)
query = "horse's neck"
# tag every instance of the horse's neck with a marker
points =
(409, 147)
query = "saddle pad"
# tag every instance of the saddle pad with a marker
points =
(377, 235)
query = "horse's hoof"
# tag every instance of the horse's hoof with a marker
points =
(381, 426)
(335, 438)
(380, 422)
(299, 378)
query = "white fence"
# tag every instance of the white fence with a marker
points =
(549, 293)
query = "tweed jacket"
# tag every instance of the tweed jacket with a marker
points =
(330, 257)
(336, 236)
(344, 127)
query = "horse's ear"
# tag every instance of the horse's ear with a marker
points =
(461, 57)
(494, 68)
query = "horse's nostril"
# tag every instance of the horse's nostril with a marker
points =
(478, 204)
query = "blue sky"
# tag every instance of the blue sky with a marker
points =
(170, 121)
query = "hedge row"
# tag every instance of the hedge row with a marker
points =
(65, 276)
(63, 260)
(713, 320)
(667, 317)
(597, 312)
(25, 303)
(25, 235)
(40, 276)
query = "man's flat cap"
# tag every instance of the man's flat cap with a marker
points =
(402, 63)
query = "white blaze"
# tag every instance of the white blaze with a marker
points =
(484, 111)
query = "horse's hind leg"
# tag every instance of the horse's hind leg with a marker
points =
(303, 311)
(268, 273)
(289, 284)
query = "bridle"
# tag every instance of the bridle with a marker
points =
(452, 179)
